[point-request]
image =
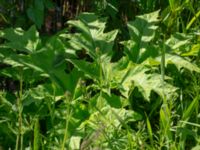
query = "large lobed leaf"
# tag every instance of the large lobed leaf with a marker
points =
(25, 41)
(142, 31)
(92, 36)
(180, 62)
(136, 76)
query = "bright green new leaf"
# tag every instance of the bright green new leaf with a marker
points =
(193, 51)
(75, 142)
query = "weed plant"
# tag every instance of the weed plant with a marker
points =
(110, 80)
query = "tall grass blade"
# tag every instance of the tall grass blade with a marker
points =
(149, 131)
(193, 20)
(188, 112)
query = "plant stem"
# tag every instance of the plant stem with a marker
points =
(163, 69)
(19, 140)
(67, 118)
(36, 141)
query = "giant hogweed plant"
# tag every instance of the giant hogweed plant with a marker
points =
(84, 102)
(142, 56)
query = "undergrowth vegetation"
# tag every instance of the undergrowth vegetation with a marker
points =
(109, 80)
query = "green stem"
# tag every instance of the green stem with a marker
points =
(163, 69)
(36, 140)
(67, 118)
(19, 140)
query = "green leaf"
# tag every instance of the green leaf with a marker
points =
(180, 62)
(36, 12)
(165, 121)
(49, 4)
(177, 41)
(136, 76)
(188, 112)
(172, 5)
(90, 69)
(142, 31)
(108, 116)
(82, 27)
(113, 100)
(92, 36)
(193, 51)
(50, 57)
(93, 21)
(105, 41)
(196, 147)
(72, 80)
(25, 41)
(112, 9)
(67, 82)
(149, 128)
(75, 142)
(88, 17)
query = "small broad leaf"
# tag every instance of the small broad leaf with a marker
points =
(75, 142)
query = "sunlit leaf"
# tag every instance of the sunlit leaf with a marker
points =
(25, 41)
(142, 31)
(137, 77)
(90, 69)
(180, 62)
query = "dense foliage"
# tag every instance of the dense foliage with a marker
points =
(102, 74)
